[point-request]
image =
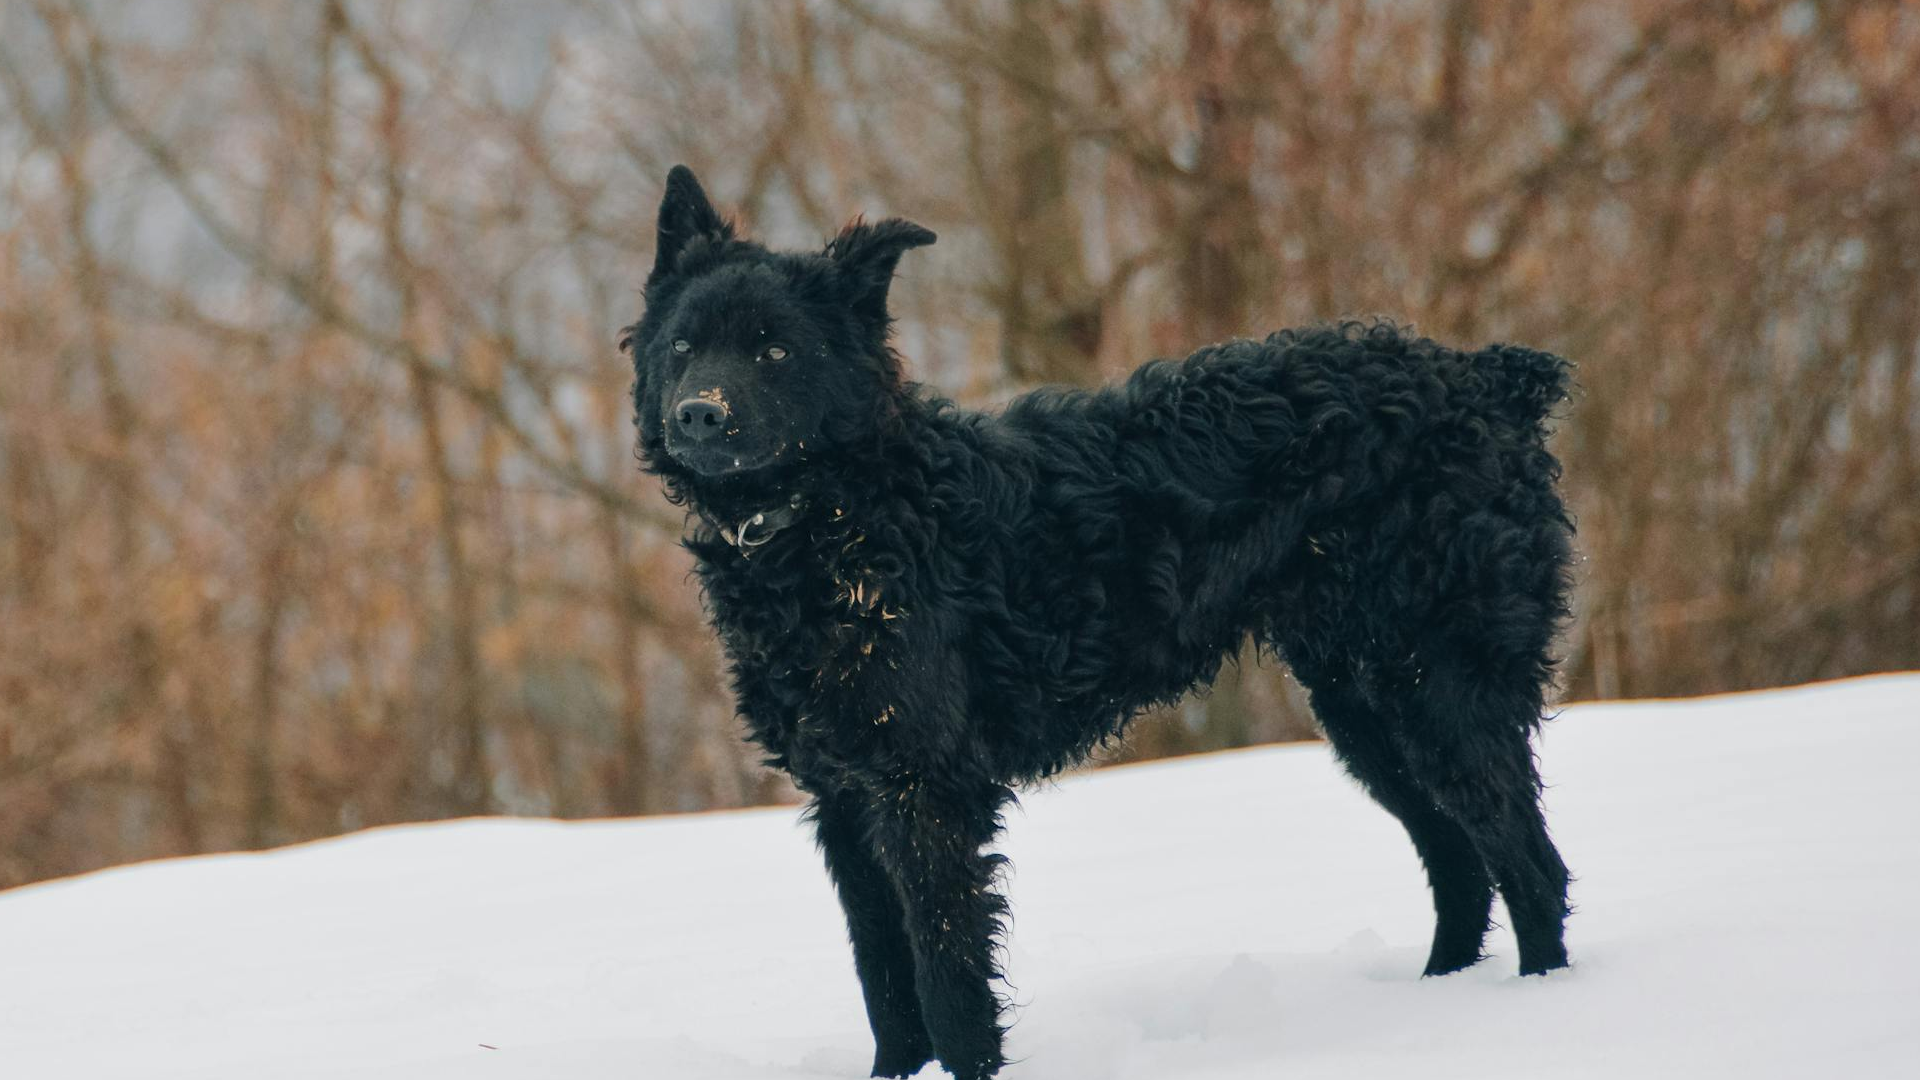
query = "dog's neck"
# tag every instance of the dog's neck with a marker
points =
(754, 530)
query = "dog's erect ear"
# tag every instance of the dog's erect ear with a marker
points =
(866, 255)
(685, 216)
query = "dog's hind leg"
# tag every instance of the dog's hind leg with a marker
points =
(876, 923)
(1469, 746)
(930, 834)
(1462, 892)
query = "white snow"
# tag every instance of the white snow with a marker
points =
(1748, 895)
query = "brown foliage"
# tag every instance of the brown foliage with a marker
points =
(317, 502)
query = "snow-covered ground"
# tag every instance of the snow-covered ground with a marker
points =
(1748, 894)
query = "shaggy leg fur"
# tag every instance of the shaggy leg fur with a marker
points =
(1462, 892)
(931, 837)
(876, 923)
(1478, 765)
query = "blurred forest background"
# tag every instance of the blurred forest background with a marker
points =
(318, 505)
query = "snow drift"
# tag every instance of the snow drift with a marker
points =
(1748, 904)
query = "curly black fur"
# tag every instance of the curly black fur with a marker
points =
(937, 605)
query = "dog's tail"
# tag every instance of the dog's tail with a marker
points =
(1528, 383)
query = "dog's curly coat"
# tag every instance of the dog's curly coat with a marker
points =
(924, 606)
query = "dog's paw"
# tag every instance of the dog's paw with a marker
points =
(901, 1061)
(973, 1067)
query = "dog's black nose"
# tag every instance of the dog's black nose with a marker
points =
(701, 419)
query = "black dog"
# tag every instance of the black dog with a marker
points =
(924, 605)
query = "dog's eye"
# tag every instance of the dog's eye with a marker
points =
(680, 346)
(774, 353)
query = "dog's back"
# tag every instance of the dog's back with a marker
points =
(1139, 533)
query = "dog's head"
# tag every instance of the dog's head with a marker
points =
(750, 363)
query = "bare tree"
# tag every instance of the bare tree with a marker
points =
(318, 506)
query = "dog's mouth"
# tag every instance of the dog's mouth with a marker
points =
(713, 462)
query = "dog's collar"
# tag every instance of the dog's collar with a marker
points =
(754, 530)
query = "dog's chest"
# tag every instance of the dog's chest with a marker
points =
(819, 665)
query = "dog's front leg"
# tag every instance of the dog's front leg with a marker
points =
(876, 924)
(930, 834)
